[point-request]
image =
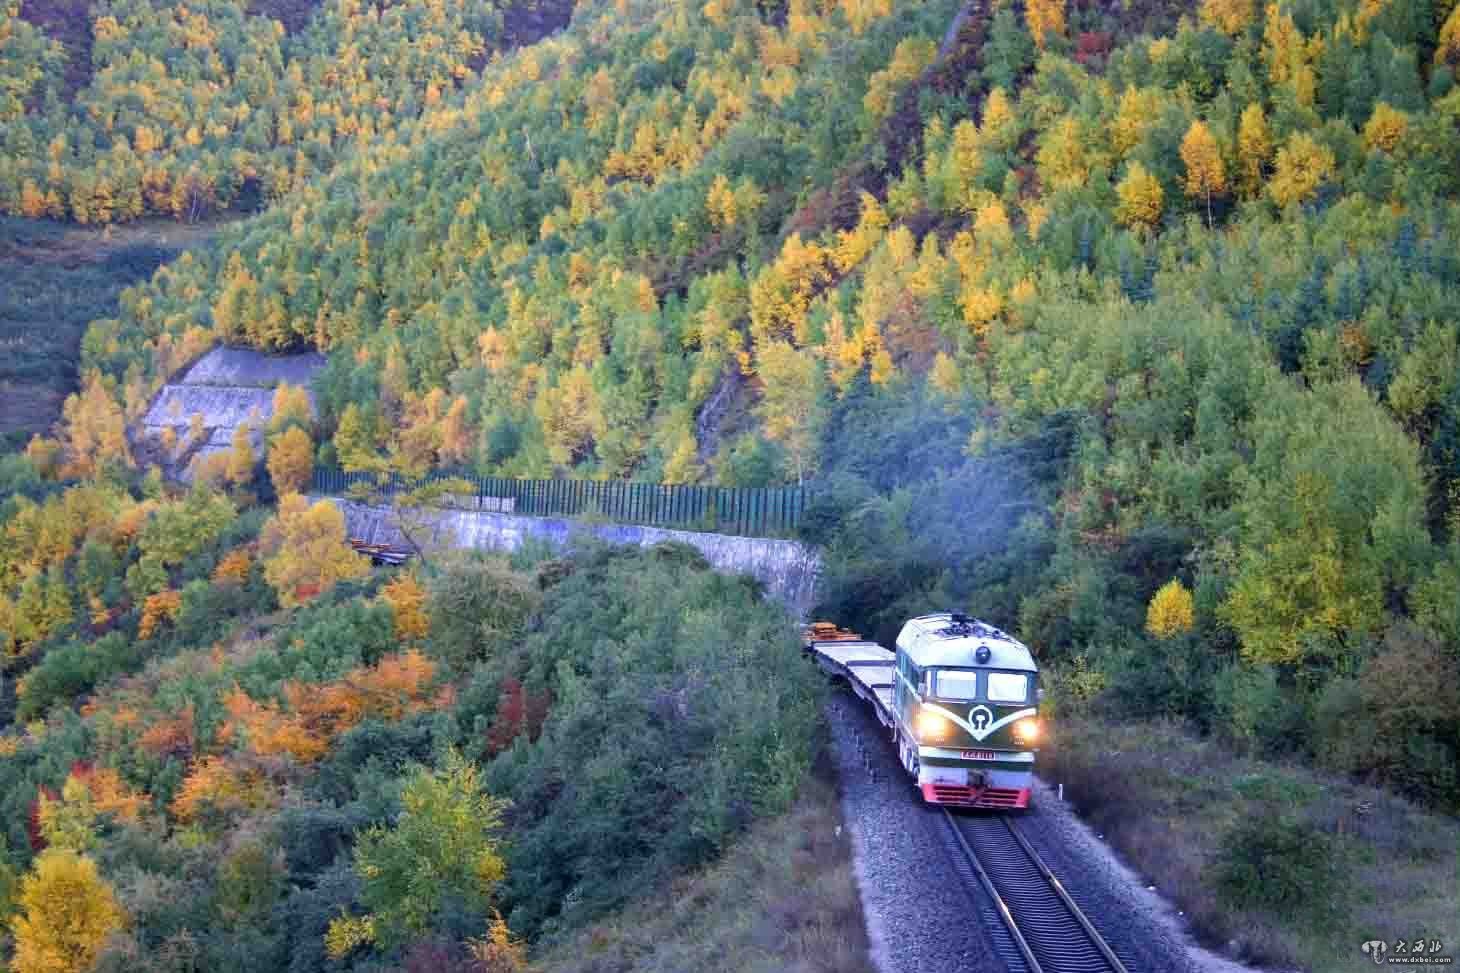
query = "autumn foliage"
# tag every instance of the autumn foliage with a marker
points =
(304, 551)
(66, 913)
(407, 600)
(1171, 611)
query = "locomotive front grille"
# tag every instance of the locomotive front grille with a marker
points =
(958, 795)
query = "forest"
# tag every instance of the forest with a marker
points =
(1135, 328)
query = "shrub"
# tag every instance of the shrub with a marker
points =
(1255, 712)
(1277, 863)
(477, 606)
(1407, 699)
(681, 711)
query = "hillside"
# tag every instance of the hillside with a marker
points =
(149, 107)
(58, 279)
(1134, 327)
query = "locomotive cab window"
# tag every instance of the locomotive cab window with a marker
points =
(1008, 687)
(955, 684)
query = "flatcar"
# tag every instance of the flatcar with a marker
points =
(961, 699)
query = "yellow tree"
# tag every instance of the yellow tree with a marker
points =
(999, 126)
(241, 459)
(1062, 160)
(291, 407)
(94, 430)
(1171, 611)
(407, 600)
(355, 441)
(67, 911)
(570, 415)
(1386, 126)
(1303, 164)
(1141, 198)
(1205, 172)
(1231, 17)
(1045, 18)
(291, 460)
(720, 201)
(790, 405)
(1254, 148)
(304, 550)
(1448, 50)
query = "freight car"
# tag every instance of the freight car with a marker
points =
(960, 698)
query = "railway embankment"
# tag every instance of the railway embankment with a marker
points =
(1330, 862)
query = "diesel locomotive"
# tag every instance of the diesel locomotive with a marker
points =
(961, 699)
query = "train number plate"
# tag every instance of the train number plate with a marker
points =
(978, 755)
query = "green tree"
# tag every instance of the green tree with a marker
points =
(1334, 517)
(443, 847)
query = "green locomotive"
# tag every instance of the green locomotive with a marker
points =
(961, 699)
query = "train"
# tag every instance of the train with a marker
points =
(960, 699)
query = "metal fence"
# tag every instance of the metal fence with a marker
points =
(751, 511)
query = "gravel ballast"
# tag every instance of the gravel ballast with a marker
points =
(923, 917)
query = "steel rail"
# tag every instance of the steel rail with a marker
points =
(1075, 910)
(1045, 922)
(993, 893)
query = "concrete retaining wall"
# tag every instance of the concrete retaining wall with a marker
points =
(228, 387)
(788, 569)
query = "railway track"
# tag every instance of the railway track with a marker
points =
(1040, 929)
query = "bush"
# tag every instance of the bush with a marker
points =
(1280, 864)
(1407, 700)
(1257, 713)
(479, 605)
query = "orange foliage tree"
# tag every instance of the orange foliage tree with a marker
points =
(158, 608)
(219, 785)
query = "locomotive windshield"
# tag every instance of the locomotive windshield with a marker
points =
(956, 684)
(962, 685)
(1008, 687)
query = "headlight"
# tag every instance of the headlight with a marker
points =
(932, 726)
(1026, 731)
